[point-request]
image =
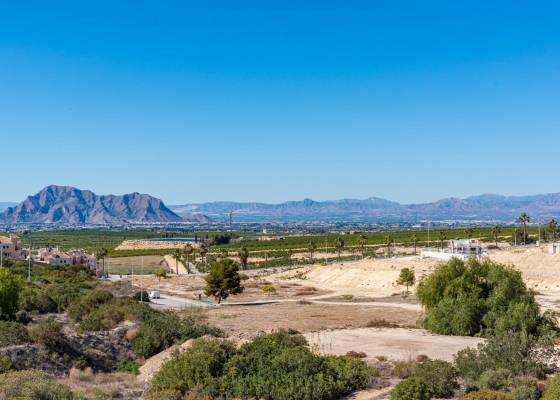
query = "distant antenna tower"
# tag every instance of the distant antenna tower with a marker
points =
(231, 218)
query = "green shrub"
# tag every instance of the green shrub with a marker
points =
(411, 389)
(280, 366)
(111, 313)
(5, 364)
(141, 295)
(526, 391)
(64, 294)
(37, 300)
(199, 368)
(87, 303)
(128, 366)
(13, 333)
(163, 329)
(440, 376)
(487, 395)
(552, 388)
(277, 366)
(495, 379)
(30, 384)
(480, 298)
(49, 334)
(516, 355)
(11, 286)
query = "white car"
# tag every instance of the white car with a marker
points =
(154, 294)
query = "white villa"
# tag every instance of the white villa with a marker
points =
(53, 256)
(456, 248)
(10, 247)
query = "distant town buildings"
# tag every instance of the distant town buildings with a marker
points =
(11, 247)
(54, 256)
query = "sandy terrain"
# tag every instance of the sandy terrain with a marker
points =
(138, 244)
(368, 277)
(540, 270)
(394, 343)
(250, 321)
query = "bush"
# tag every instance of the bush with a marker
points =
(277, 366)
(199, 368)
(552, 388)
(268, 289)
(37, 300)
(517, 355)
(11, 286)
(163, 329)
(110, 314)
(440, 376)
(487, 395)
(128, 366)
(280, 366)
(49, 334)
(143, 295)
(526, 391)
(5, 364)
(480, 298)
(87, 303)
(32, 385)
(411, 389)
(65, 294)
(13, 333)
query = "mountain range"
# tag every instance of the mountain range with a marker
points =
(71, 206)
(485, 208)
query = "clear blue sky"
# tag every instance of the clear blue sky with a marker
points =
(279, 100)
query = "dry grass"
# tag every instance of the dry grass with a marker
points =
(111, 386)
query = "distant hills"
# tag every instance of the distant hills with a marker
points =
(71, 206)
(6, 204)
(487, 207)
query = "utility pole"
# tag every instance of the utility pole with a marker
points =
(141, 283)
(29, 264)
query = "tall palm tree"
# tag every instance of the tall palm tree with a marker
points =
(414, 241)
(442, 238)
(187, 251)
(203, 250)
(553, 228)
(389, 242)
(339, 246)
(524, 219)
(495, 234)
(177, 255)
(311, 247)
(101, 255)
(362, 242)
(243, 255)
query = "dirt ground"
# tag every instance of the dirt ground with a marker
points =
(136, 264)
(246, 322)
(393, 343)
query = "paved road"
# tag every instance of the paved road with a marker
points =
(173, 302)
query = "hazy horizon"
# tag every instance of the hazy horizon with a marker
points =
(249, 101)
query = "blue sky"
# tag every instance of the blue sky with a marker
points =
(271, 101)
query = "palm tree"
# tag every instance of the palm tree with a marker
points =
(495, 233)
(311, 247)
(414, 241)
(469, 232)
(177, 254)
(362, 242)
(553, 228)
(289, 255)
(339, 244)
(524, 219)
(101, 255)
(203, 250)
(442, 238)
(243, 255)
(389, 242)
(187, 251)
